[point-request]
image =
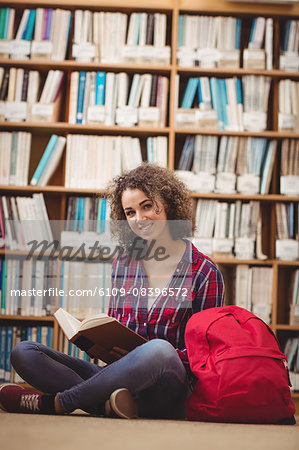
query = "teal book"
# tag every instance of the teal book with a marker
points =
(100, 88)
(8, 348)
(216, 103)
(98, 230)
(189, 94)
(44, 159)
(103, 215)
(28, 32)
(2, 22)
(81, 94)
(181, 31)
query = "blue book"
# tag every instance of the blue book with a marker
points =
(98, 230)
(81, 213)
(138, 22)
(252, 31)
(238, 34)
(81, 93)
(2, 353)
(267, 167)
(28, 31)
(39, 334)
(181, 31)
(103, 215)
(29, 333)
(77, 215)
(8, 348)
(187, 155)
(189, 93)
(292, 220)
(150, 150)
(49, 22)
(44, 159)
(215, 94)
(239, 91)
(50, 337)
(223, 100)
(286, 35)
(6, 22)
(100, 88)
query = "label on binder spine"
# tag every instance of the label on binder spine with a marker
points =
(255, 121)
(204, 245)
(207, 57)
(150, 113)
(16, 111)
(96, 113)
(289, 184)
(286, 121)
(248, 183)
(126, 116)
(5, 46)
(41, 111)
(203, 182)
(19, 48)
(244, 248)
(289, 61)
(41, 48)
(162, 54)
(84, 51)
(223, 245)
(287, 249)
(226, 182)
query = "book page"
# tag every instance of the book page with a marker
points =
(95, 321)
(67, 322)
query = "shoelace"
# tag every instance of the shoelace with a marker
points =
(29, 402)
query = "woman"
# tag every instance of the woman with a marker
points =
(166, 279)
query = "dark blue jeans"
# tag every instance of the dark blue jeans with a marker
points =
(153, 373)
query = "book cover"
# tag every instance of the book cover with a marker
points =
(44, 159)
(98, 336)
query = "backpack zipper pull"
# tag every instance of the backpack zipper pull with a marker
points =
(288, 373)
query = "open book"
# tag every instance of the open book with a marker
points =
(98, 335)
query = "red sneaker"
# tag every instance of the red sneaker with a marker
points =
(15, 399)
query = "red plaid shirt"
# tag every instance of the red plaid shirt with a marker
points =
(196, 284)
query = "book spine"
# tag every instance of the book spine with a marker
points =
(81, 93)
(44, 160)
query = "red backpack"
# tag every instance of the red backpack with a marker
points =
(241, 372)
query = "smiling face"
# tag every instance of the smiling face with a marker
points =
(142, 214)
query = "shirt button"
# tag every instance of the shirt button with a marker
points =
(144, 324)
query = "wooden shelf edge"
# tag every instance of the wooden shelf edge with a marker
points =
(72, 65)
(27, 318)
(99, 129)
(287, 327)
(240, 71)
(265, 134)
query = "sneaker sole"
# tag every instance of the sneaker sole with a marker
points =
(3, 386)
(123, 404)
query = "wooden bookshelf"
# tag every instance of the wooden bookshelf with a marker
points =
(56, 194)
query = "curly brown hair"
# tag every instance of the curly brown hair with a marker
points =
(157, 183)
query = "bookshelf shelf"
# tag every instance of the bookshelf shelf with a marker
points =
(71, 65)
(262, 198)
(287, 327)
(266, 134)
(27, 318)
(56, 195)
(65, 127)
(236, 72)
